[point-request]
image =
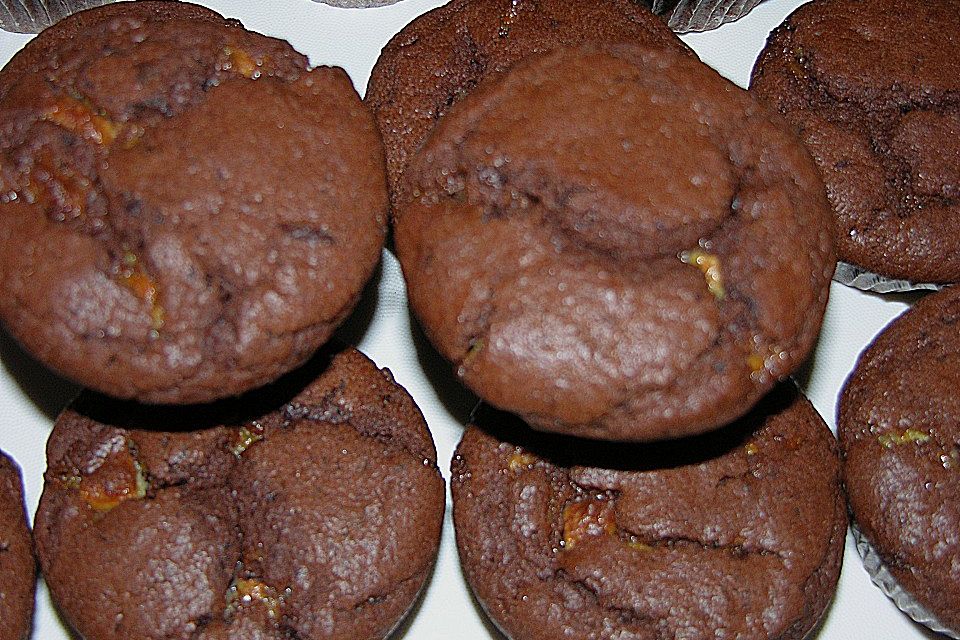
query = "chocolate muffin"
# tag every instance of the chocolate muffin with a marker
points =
(317, 519)
(443, 54)
(615, 242)
(899, 428)
(18, 574)
(188, 211)
(735, 534)
(872, 86)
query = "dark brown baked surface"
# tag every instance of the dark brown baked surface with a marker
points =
(18, 573)
(318, 519)
(739, 530)
(874, 88)
(188, 212)
(616, 243)
(899, 428)
(443, 54)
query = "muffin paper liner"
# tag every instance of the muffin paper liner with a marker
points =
(700, 15)
(882, 577)
(860, 278)
(32, 16)
(680, 15)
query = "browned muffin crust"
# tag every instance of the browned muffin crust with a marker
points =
(320, 519)
(899, 427)
(613, 252)
(188, 212)
(740, 531)
(874, 88)
(18, 573)
(443, 54)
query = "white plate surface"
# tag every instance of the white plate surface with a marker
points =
(30, 397)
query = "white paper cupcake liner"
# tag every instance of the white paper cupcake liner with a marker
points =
(882, 577)
(860, 278)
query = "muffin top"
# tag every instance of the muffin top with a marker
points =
(188, 211)
(615, 242)
(899, 428)
(734, 534)
(310, 509)
(437, 59)
(874, 88)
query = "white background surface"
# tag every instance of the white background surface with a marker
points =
(30, 396)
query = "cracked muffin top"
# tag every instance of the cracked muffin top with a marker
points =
(734, 534)
(187, 210)
(310, 510)
(18, 572)
(443, 54)
(617, 243)
(898, 421)
(874, 88)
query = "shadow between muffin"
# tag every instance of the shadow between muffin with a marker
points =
(402, 630)
(49, 392)
(925, 631)
(61, 619)
(352, 330)
(457, 399)
(569, 451)
(492, 629)
(129, 414)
